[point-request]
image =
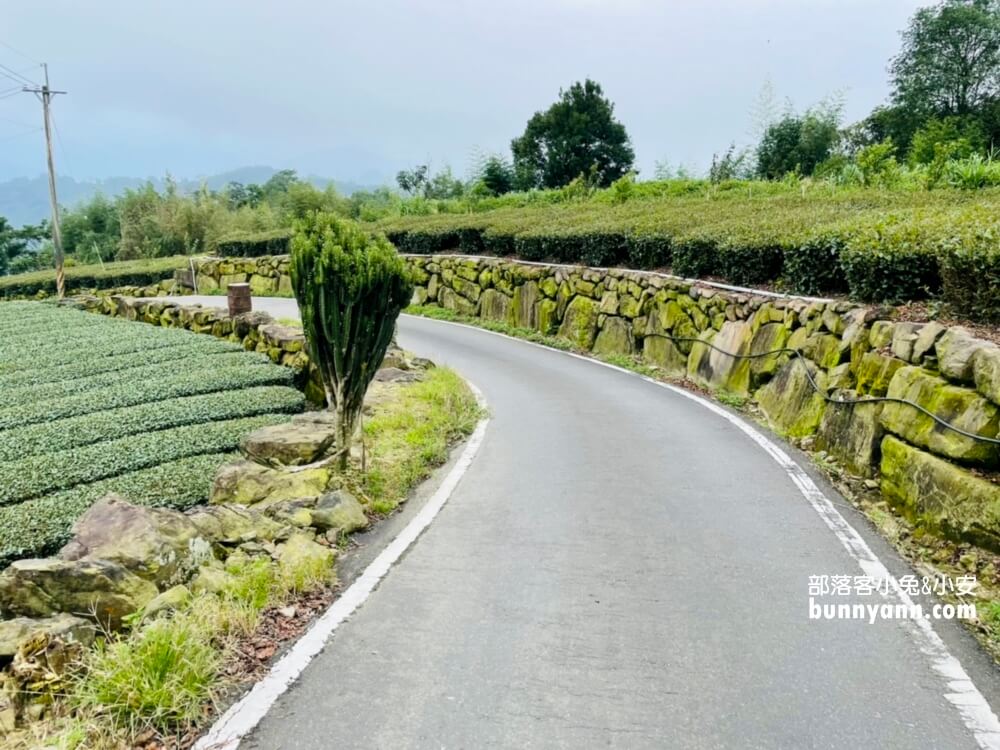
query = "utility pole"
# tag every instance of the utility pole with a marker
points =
(45, 94)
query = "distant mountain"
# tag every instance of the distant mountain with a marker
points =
(25, 200)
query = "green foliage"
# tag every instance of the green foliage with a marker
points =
(970, 266)
(944, 139)
(410, 435)
(17, 244)
(950, 60)
(254, 244)
(875, 243)
(102, 406)
(41, 526)
(797, 143)
(61, 434)
(891, 259)
(576, 135)
(350, 286)
(107, 276)
(160, 677)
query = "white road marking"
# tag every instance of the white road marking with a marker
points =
(960, 691)
(243, 717)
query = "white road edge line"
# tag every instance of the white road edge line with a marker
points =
(960, 691)
(241, 719)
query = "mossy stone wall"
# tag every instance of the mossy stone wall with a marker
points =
(938, 477)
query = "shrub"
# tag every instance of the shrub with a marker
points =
(694, 257)
(254, 244)
(649, 251)
(889, 260)
(813, 267)
(108, 276)
(350, 287)
(970, 270)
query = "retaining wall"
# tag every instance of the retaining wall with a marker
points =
(936, 476)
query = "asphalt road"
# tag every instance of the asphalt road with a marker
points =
(618, 568)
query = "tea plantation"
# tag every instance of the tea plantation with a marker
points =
(91, 405)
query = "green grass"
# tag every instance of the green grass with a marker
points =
(109, 275)
(407, 436)
(168, 671)
(91, 405)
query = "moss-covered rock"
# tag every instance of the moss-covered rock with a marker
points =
(826, 350)
(158, 544)
(524, 307)
(494, 305)
(615, 337)
(289, 444)
(714, 367)
(986, 372)
(451, 300)
(99, 590)
(961, 407)
(852, 433)
(339, 510)
(767, 338)
(941, 494)
(955, 351)
(263, 286)
(548, 320)
(880, 335)
(789, 401)
(579, 324)
(875, 371)
(664, 353)
(247, 482)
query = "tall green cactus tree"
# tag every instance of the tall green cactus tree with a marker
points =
(350, 286)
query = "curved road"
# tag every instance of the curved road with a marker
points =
(619, 567)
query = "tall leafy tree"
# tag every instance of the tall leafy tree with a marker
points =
(576, 135)
(797, 143)
(15, 244)
(950, 60)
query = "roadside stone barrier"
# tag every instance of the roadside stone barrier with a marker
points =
(937, 477)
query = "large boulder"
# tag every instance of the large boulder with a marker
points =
(523, 311)
(579, 323)
(160, 545)
(875, 371)
(768, 337)
(789, 400)
(289, 444)
(494, 305)
(65, 626)
(98, 589)
(229, 525)
(339, 510)
(955, 350)
(664, 353)
(714, 367)
(961, 407)
(301, 556)
(934, 491)
(615, 337)
(986, 372)
(247, 482)
(852, 433)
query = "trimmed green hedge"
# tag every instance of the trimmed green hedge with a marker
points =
(889, 246)
(91, 405)
(123, 273)
(41, 526)
(62, 434)
(253, 245)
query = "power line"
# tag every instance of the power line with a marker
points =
(22, 133)
(18, 52)
(15, 76)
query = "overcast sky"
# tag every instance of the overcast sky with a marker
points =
(359, 90)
